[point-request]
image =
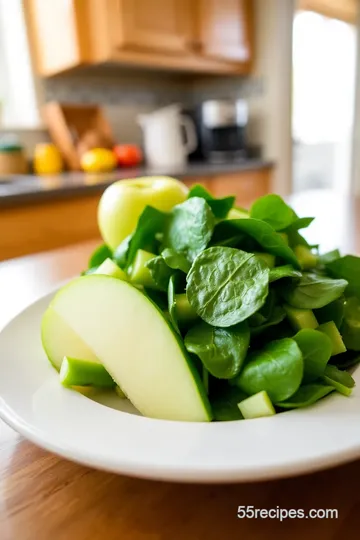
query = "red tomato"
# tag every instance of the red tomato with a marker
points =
(128, 155)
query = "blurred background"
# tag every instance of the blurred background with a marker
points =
(244, 96)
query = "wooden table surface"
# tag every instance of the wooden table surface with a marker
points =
(43, 497)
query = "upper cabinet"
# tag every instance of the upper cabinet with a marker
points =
(160, 25)
(225, 29)
(209, 36)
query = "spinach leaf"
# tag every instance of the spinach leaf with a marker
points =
(274, 210)
(286, 271)
(226, 285)
(277, 316)
(220, 207)
(332, 312)
(99, 255)
(342, 377)
(350, 328)
(346, 360)
(160, 272)
(348, 268)
(264, 234)
(224, 404)
(330, 256)
(121, 252)
(172, 302)
(305, 396)
(190, 227)
(299, 223)
(175, 260)
(313, 291)
(277, 369)
(221, 350)
(316, 349)
(150, 223)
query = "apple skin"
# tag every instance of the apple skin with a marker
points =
(123, 202)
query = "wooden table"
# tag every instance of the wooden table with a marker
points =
(43, 497)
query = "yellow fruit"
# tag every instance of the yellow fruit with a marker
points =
(98, 160)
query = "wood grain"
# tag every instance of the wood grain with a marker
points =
(44, 497)
(46, 225)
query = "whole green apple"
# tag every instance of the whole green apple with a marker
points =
(123, 202)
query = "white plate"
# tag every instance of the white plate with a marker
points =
(96, 434)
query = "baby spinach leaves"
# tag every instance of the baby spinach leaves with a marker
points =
(305, 396)
(99, 255)
(175, 260)
(150, 223)
(277, 369)
(334, 375)
(221, 350)
(348, 268)
(274, 210)
(313, 291)
(332, 312)
(286, 271)
(190, 227)
(224, 403)
(263, 234)
(160, 272)
(220, 207)
(316, 349)
(226, 285)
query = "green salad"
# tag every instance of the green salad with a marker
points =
(211, 312)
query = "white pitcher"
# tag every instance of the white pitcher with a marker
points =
(164, 142)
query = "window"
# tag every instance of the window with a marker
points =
(17, 85)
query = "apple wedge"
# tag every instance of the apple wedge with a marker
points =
(59, 340)
(135, 343)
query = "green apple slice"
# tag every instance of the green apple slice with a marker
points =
(79, 372)
(59, 340)
(136, 345)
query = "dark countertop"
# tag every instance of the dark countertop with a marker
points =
(27, 188)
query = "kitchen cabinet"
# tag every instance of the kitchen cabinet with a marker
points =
(160, 25)
(208, 36)
(225, 29)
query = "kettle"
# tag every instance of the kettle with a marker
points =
(164, 131)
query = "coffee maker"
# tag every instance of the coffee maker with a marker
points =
(222, 130)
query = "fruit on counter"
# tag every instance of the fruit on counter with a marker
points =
(98, 160)
(123, 202)
(58, 340)
(110, 315)
(47, 159)
(128, 155)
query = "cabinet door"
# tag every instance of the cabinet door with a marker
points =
(225, 28)
(158, 25)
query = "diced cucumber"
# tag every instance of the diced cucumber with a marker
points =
(77, 372)
(306, 258)
(268, 258)
(184, 312)
(238, 213)
(333, 333)
(300, 318)
(109, 268)
(140, 274)
(256, 406)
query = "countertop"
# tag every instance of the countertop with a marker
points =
(27, 188)
(47, 497)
